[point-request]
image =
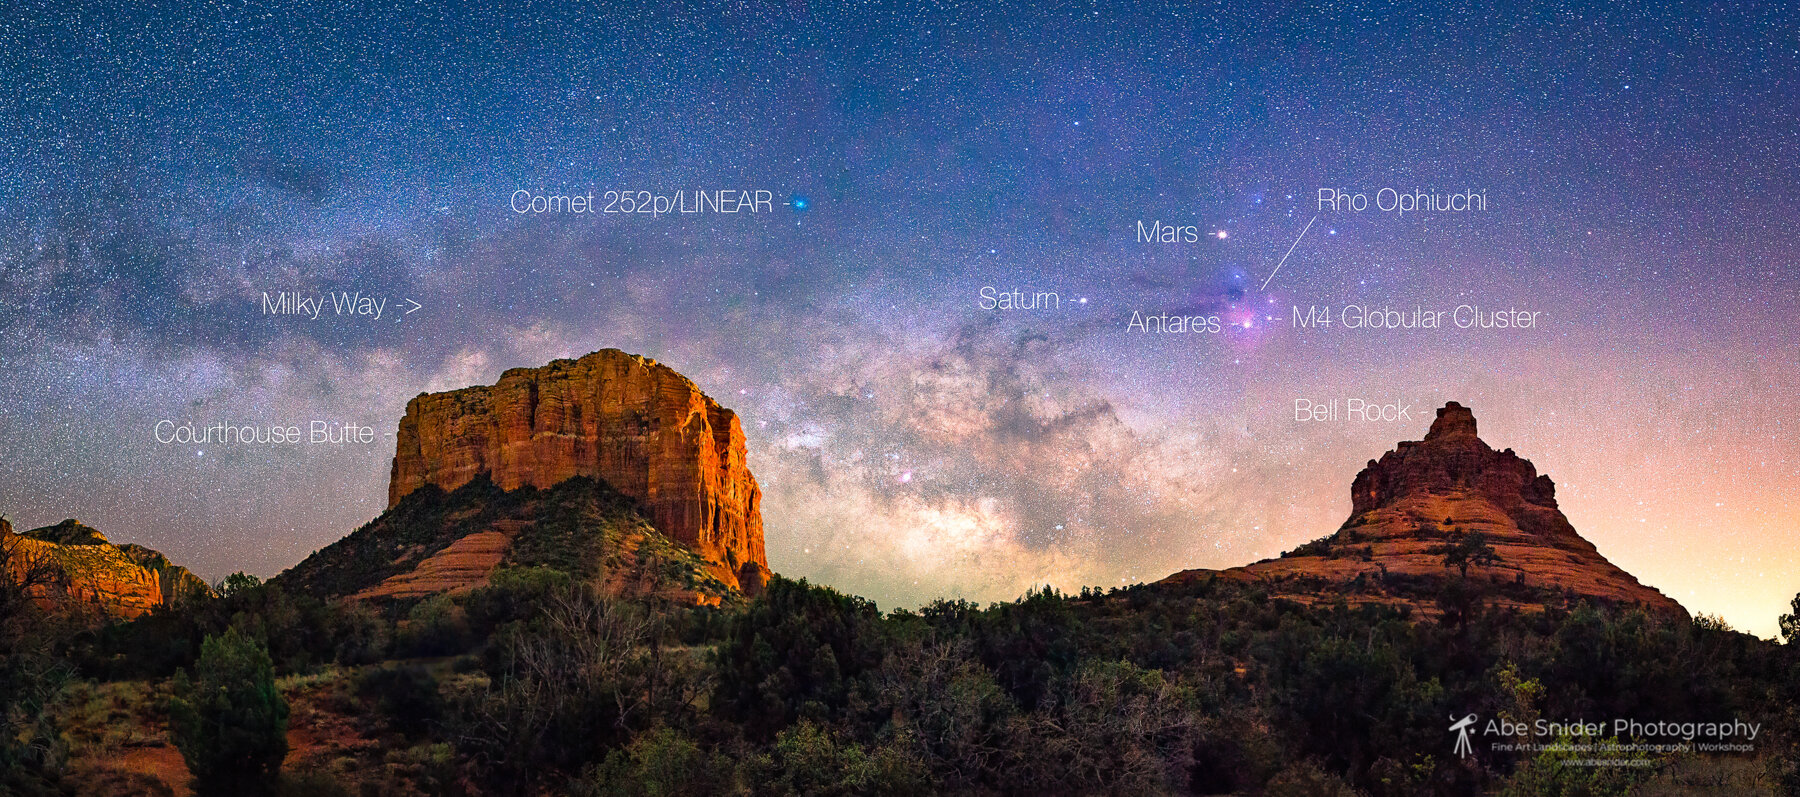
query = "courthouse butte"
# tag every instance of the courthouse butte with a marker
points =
(557, 465)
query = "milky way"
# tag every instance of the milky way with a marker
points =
(161, 171)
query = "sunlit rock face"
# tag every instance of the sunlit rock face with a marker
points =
(92, 573)
(631, 421)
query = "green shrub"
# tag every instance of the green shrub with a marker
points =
(796, 652)
(407, 696)
(312, 784)
(513, 594)
(362, 633)
(1109, 728)
(230, 723)
(660, 763)
(1306, 779)
(810, 760)
(435, 627)
(562, 689)
(1566, 769)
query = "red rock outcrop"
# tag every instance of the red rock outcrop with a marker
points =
(1425, 496)
(643, 428)
(78, 568)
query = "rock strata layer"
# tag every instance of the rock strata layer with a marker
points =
(636, 424)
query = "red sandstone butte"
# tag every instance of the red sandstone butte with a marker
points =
(643, 428)
(1406, 506)
(119, 580)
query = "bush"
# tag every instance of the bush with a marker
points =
(230, 723)
(407, 696)
(1306, 779)
(956, 715)
(661, 763)
(435, 627)
(561, 689)
(312, 784)
(796, 652)
(810, 760)
(1111, 727)
(514, 594)
(362, 634)
(1564, 769)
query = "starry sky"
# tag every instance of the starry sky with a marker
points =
(161, 169)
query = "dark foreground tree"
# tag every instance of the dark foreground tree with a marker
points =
(1790, 623)
(32, 748)
(1470, 549)
(230, 722)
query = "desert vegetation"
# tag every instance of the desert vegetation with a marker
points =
(544, 682)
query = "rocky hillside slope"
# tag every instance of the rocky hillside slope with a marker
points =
(436, 542)
(1423, 499)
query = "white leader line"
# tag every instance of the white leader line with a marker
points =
(1265, 285)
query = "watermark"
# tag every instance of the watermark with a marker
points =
(1601, 741)
(1461, 727)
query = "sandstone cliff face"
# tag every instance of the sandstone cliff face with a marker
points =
(122, 580)
(635, 423)
(1428, 494)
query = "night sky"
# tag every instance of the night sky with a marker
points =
(161, 170)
